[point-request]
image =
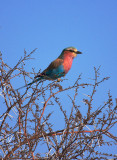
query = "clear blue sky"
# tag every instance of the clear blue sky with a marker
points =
(52, 25)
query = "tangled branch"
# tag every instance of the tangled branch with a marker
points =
(26, 125)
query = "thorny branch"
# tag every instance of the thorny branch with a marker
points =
(26, 126)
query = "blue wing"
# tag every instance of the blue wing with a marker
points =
(53, 71)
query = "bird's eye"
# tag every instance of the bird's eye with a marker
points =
(71, 50)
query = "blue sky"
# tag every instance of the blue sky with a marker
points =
(52, 25)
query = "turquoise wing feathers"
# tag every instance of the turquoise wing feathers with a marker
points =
(53, 71)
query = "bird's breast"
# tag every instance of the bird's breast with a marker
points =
(67, 63)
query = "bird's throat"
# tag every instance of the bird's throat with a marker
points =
(67, 63)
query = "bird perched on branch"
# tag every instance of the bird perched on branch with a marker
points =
(59, 67)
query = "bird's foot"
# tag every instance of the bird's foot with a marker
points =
(58, 79)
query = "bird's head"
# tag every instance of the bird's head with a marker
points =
(70, 51)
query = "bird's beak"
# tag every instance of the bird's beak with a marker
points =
(78, 52)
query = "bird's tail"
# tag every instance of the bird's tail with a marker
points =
(35, 80)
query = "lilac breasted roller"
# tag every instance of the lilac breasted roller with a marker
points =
(59, 67)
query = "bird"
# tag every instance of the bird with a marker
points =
(58, 68)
